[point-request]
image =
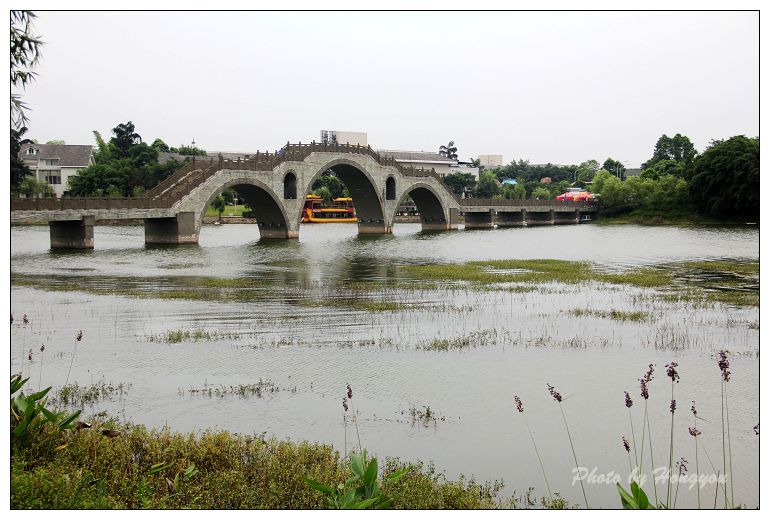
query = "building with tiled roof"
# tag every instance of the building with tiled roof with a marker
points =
(56, 163)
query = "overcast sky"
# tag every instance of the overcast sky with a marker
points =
(548, 87)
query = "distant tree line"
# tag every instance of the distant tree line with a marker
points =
(722, 182)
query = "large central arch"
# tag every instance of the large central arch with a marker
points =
(267, 208)
(363, 191)
(434, 215)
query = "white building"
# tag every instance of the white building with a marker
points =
(490, 161)
(337, 136)
(56, 163)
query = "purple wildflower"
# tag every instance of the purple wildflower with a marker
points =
(629, 402)
(80, 335)
(625, 444)
(42, 348)
(694, 431)
(30, 355)
(724, 364)
(671, 372)
(345, 403)
(519, 405)
(756, 429)
(645, 393)
(556, 395)
(693, 410)
(673, 405)
(24, 319)
(682, 465)
(648, 375)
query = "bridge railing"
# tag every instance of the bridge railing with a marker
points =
(189, 166)
(88, 203)
(528, 202)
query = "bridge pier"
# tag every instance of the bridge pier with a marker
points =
(480, 219)
(180, 229)
(72, 234)
(373, 227)
(276, 230)
(511, 218)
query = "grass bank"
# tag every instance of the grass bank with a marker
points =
(677, 218)
(230, 211)
(87, 469)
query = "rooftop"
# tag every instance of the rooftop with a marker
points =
(67, 154)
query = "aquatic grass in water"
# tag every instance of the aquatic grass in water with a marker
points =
(180, 335)
(474, 339)
(75, 395)
(257, 389)
(613, 314)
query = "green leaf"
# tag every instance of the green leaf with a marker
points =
(641, 497)
(39, 395)
(157, 468)
(357, 465)
(328, 490)
(67, 422)
(348, 500)
(371, 473)
(384, 504)
(17, 383)
(52, 417)
(398, 475)
(365, 503)
(626, 499)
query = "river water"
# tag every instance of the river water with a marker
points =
(304, 354)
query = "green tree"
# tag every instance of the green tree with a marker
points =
(725, 178)
(124, 137)
(159, 145)
(449, 151)
(599, 179)
(664, 167)
(541, 193)
(19, 170)
(55, 141)
(325, 194)
(460, 182)
(219, 205)
(516, 191)
(190, 151)
(25, 54)
(678, 148)
(614, 167)
(586, 171)
(331, 182)
(488, 185)
(121, 166)
(31, 187)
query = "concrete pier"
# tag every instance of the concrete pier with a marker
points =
(72, 234)
(180, 229)
(480, 219)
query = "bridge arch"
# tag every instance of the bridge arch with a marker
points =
(264, 203)
(434, 214)
(363, 190)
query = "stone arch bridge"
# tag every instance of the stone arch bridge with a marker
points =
(275, 185)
